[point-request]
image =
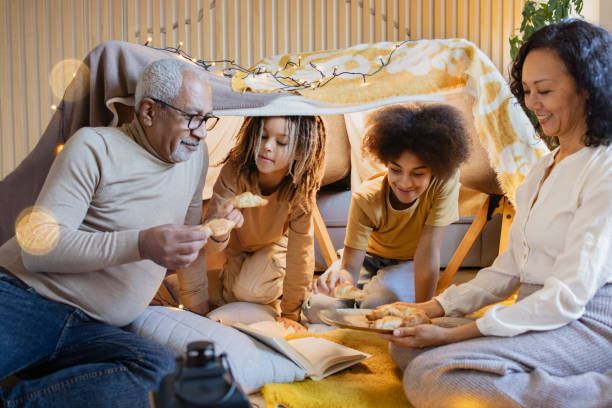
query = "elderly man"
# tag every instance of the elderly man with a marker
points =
(89, 257)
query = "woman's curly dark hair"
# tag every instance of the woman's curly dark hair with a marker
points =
(433, 133)
(586, 52)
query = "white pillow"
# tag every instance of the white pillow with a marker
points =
(253, 364)
(243, 312)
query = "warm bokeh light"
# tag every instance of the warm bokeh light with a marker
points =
(459, 401)
(59, 148)
(37, 230)
(65, 72)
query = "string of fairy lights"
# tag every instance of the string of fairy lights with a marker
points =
(285, 81)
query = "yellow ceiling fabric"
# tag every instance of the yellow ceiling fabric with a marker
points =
(421, 68)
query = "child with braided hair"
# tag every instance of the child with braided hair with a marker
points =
(270, 252)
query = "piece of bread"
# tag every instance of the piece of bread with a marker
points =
(347, 291)
(393, 322)
(387, 323)
(248, 199)
(402, 311)
(218, 226)
(416, 318)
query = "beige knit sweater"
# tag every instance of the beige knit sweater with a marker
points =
(105, 186)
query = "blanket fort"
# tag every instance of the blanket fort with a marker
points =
(411, 70)
(425, 70)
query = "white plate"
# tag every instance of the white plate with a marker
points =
(350, 319)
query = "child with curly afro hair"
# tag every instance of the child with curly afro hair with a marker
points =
(397, 219)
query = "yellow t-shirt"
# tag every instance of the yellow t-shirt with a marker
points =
(374, 225)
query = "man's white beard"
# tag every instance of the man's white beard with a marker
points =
(181, 153)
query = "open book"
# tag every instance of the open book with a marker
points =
(318, 357)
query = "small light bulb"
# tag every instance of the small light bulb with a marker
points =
(180, 43)
(53, 107)
(73, 74)
(58, 148)
(212, 64)
(149, 39)
(181, 307)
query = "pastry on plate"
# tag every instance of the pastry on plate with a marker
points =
(387, 323)
(248, 199)
(218, 226)
(402, 311)
(347, 291)
(416, 318)
(393, 322)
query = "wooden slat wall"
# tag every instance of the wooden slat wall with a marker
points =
(38, 34)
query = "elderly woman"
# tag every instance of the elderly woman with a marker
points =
(553, 346)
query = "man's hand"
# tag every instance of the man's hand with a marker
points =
(288, 323)
(330, 279)
(171, 246)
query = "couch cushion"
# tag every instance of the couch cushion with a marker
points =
(337, 149)
(476, 172)
(253, 364)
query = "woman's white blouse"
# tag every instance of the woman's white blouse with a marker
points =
(563, 241)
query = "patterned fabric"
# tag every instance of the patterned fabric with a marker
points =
(417, 70)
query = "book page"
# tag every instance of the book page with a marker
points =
(326, 357)
(317, 356)
(278, 344)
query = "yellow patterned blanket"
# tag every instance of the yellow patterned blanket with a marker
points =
(384, 73)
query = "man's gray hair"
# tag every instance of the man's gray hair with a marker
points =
(162, 79)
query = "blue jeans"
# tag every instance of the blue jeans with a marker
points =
(66, 359)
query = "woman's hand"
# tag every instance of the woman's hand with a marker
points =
(423, 335)
(430, 335)
(431, 308)
(330, 279)
(288, 324)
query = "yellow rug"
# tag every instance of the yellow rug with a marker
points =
(375, 382)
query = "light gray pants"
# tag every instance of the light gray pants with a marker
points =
(567, 367)
(383, 280)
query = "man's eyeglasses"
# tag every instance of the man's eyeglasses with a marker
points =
(195, 120)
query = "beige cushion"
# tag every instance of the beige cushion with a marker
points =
(476, 172)
(337, 150)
